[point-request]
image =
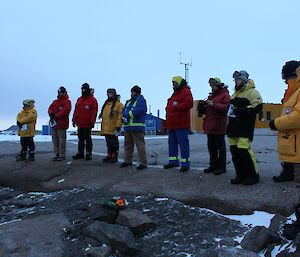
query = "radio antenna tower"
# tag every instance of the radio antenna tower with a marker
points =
(186, 67)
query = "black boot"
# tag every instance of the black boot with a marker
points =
(31, 157)
(21, 157)
(107, 158)
(88, 156)
(287, 173)
(78, 156)
(290, 231)
(169, 166)
(238, 165)
(209, 170)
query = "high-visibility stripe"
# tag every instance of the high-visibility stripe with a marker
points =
(131, 123)
(185, 159)
(173, 158)
(135, 125)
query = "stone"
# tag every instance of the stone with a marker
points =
(228, 242)
(116, 236)
(101, 251)
(136, 221)
(258, 238)
(97, 212)
(228, 252)
(276, 223)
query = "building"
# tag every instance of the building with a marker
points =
(270, 111)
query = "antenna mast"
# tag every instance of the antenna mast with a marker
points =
(186, 67)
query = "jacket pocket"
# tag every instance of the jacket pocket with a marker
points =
(287, 144)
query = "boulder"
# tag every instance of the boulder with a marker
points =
(118, 237)
(258, 238)
(97, 212)
(228, 252)
(136, 221)
(101, 251)
(276, 223)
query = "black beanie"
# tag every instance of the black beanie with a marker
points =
(62, 90)
(85, 86)
(136, 89)
(111, 90)
(289, 69)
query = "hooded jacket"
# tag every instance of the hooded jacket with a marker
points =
(134, 111)
(85, 112)
(288, 124)
(248, 103)
(111, 118)
(215, 121)
(61, 107)
(178, 109)
(27, 117)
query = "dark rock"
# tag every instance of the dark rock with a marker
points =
(101, 251)
(97, 212)
(258, 238)
(276, 223)
(6, 193)
(118, 237)
(286, 253)
(75, 228)
(228, 242)
(135, 220)
(228, 252)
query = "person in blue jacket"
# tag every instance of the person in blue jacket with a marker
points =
(133, 117)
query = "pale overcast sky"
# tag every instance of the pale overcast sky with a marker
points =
(47, 44)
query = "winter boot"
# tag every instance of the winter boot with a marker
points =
(287, 173)
(209, 170)
(78, 156)
(31, 157)
(238, 165)
(169, 166)
(219, 171)
(88, 156)
(114, 157)
(55, 157)
(107, 158)
(21, 157)
(290, 231)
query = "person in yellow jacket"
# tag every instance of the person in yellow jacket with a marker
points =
(111, 115)
(26, 121)
(288, 126)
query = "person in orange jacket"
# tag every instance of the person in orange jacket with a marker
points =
(84, 118)
(288, 127)
(111, 115)
(26, 121)
(59, 112)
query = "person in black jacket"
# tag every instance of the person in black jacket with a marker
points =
(245, 103)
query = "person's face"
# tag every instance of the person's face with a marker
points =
(214, 87)
(238, 83)
(175, 84)
(133, 93)
(59, 93)
(110, 95)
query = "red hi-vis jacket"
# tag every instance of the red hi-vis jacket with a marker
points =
(178, 109)
(85, 112)
(61, 108)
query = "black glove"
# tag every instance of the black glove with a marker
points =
(272, 125)
(19, 124)
(52, 116)
(92, 125)
(201, 108)
(118, 129)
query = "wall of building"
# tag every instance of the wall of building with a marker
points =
(270, 111)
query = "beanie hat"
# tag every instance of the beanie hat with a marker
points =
(243, 75)
(28, 102)
(217, 81)
(85, 86)
(136, 89)
(62, 90)
(112, 91)
(177, 79)
(289, 69)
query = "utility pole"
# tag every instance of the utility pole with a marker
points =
(186, 68)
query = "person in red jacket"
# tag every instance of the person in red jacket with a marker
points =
(178, 123)
(84, 118)
(59, 112)
(215, 125)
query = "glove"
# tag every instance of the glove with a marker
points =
(118, 129)
(124, 120)
(272, 125)
(92, 125)
(19, 124)
(73, 123)
(52, 116)
(201, 108)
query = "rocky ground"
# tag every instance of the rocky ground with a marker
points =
(32, 223)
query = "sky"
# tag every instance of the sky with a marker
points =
(47, 44)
